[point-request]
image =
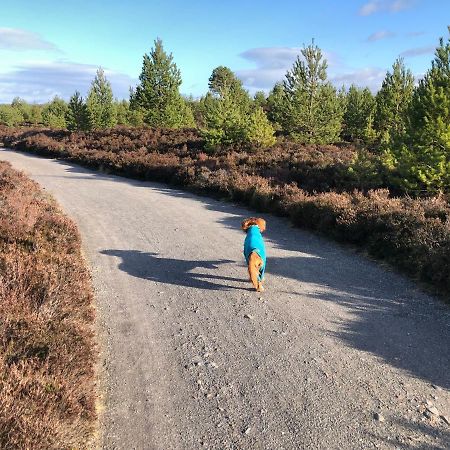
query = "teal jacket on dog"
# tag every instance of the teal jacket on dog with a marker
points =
(254, 243)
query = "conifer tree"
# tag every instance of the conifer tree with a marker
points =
(157, 96)
(224, 83)
(277, 106)
(422, 159)
(259, 99)
(313, 110)
(77, 115)
(358, 116)
(54, 113)
(100, 103)
(392, 102)
(258, 131)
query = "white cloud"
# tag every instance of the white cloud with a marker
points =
(41, 81)
(370, 77)
(378, 35)
(418, 51)
(374, 6)
(272, 63)
(17, 39)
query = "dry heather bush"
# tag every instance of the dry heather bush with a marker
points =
(332, 189)
(47, 353)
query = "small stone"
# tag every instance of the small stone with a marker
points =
(248, 316)
(429, 403)
(213, 365)
(434, 386)
(260, 298)
(379, 417)
(247, 430)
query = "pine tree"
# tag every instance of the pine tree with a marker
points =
(392, 102)
(227, 107)
(313, 110)
(258, 131)
(122, 112)
(100, 103)
(224, 83)
(358, 116)
(54, 113)
(259, 99)
(77, 116)
(277, 106)
(422, 159)
(157, 96)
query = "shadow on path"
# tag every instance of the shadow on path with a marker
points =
(150, 266)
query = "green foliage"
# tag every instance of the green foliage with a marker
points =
(313, 110)
(258, 131)
(359, 114)
(135, 117)
(421, 159)
(228, 115)
(224, 121)
(392, 102)
(100, 107)
(77, 116)
(122, 112)
(35, 115)
(259, 99)
(277, 106)
(10, 116)
(157, 96)
(54, 113)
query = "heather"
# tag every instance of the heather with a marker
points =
(47, 351)
(340, 191)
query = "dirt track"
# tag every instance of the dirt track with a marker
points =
(194, 359)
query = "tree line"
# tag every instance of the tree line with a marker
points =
(406, 125)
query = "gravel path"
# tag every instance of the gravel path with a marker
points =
(338, 353)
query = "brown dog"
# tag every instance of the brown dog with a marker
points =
(255, 250)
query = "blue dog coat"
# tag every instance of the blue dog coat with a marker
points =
(254, 243)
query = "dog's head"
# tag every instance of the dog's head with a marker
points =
(254, 221)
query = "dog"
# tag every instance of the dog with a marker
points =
(255, 250)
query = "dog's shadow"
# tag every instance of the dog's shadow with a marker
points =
(180, 272)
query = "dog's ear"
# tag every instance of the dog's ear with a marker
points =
(248, 223)
(254, 221)
(261, 224)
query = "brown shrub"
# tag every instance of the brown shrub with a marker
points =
(319, 187)
(47, 354)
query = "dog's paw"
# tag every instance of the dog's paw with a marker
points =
(260, 288)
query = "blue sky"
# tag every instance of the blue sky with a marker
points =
(53, 47)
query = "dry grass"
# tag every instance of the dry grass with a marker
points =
(47, 353)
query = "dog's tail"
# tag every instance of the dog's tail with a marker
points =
(254, 265)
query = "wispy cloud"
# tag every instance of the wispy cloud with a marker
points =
(272, 63)
(370, 77)
(415, 33)
(374, 6)
(17, 39)
(41, 81)
(379, 35)
(418, 51)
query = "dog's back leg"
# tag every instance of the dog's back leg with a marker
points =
(254, 265)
